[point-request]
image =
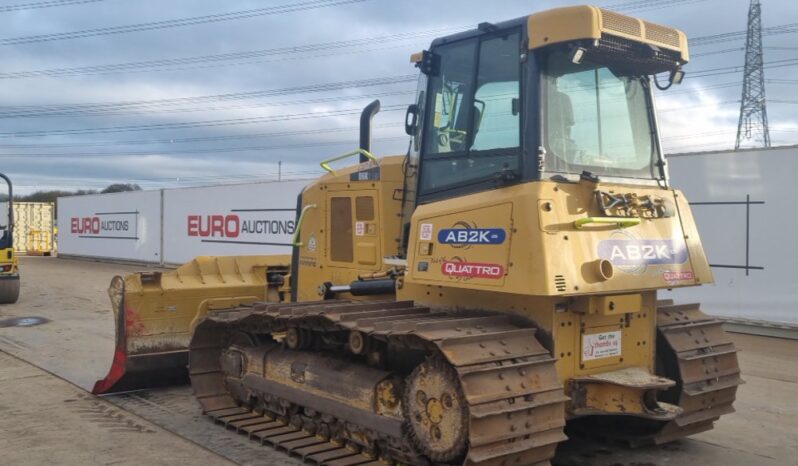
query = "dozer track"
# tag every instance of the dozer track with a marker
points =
(475, 389)
(694, 350)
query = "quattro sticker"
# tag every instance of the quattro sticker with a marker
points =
(601, 345)
(461, 236)
(472, 270)
(678, 276)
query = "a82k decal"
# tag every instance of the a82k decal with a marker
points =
(631, 252)
(469, 235)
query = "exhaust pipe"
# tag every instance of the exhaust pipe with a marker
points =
(365, 127)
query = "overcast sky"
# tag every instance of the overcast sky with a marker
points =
(48, 142)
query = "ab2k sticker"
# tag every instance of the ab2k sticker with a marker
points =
(642, 251)
(472, 270)
(471, 236)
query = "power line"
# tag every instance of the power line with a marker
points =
(44, 4)
(164, 64)
(220, 150)
(175, 181)
(195, 124)
(61, 109)
(717, 52)
(223, 59)
(699, 135)
(700, 89)
(179, 22)
(781, 81)
(714, 104)
(691, 147)
(648, 5)
(726, 37)
(739, 68)
(194, 139)
(149, 109)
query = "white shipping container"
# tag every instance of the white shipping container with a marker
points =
(743, 203)
(245, 219)
(124, 226)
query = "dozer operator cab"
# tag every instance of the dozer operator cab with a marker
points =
(557, 95)
(9, 271)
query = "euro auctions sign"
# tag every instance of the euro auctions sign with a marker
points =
(229, 220)
(116, 225)
(250, 226)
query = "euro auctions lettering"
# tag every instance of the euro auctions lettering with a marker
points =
(233, 226)
(101, 226)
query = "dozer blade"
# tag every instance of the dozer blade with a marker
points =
(155, 314)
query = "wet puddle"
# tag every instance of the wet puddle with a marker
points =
(23, 322)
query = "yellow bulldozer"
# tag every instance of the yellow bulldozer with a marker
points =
(463, 303)
(9, 265)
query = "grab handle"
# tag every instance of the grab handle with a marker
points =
(298, 227)
(326, 163)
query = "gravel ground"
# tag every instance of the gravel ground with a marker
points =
(77, 344)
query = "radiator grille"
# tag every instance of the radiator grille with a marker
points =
(621, 23)
(364, 208)
(662, 35)
(341, 237)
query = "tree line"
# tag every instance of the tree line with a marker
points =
(51, 196)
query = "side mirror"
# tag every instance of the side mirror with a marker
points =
(411, 120)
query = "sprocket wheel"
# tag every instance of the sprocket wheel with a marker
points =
(436, 411)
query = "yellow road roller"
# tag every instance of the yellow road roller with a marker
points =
(9, 266)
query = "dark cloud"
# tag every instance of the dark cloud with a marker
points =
(701, 111)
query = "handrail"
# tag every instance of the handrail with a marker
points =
(621, 222)
(298, 226)
(325, 164)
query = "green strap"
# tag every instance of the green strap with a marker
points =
(621, 222)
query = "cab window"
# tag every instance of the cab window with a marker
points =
(472, 133)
